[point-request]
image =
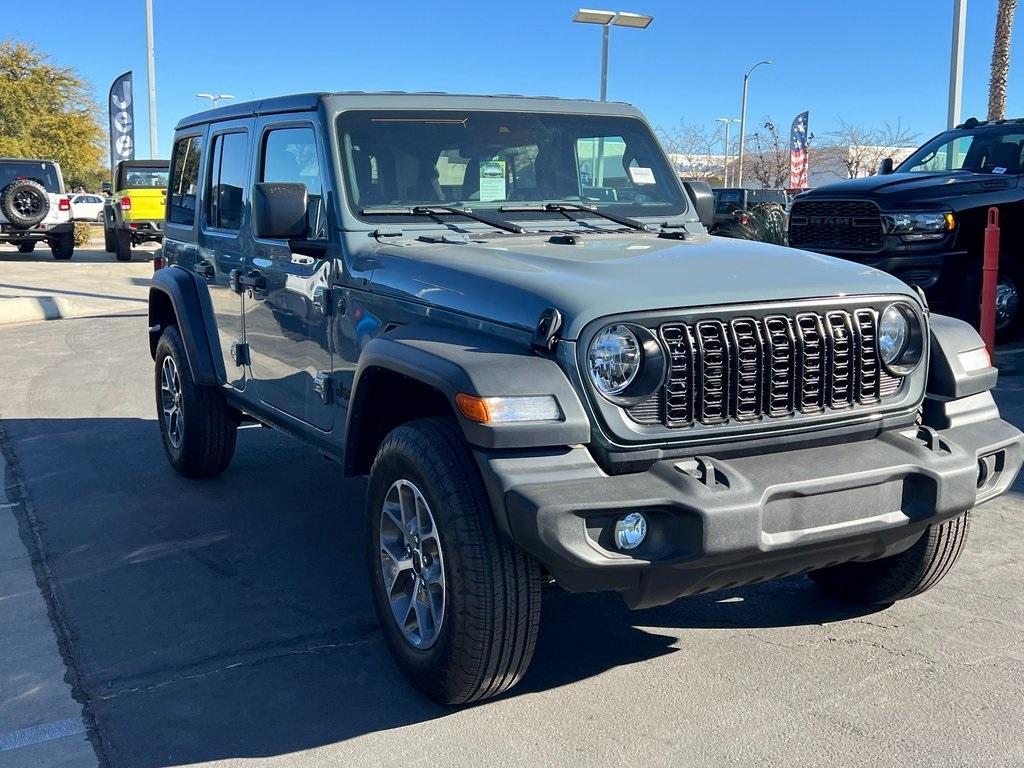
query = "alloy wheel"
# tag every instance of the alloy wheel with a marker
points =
(412, 564)
(170, 402)
(1007, 301)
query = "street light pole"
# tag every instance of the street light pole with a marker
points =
(743, 120)
(151, 72)
(727, 121)
(604, 61)
(956, 63)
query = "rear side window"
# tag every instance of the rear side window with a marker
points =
(184, 180)
(225, 196)
(290, 155)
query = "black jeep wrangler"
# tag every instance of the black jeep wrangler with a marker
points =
(924, 222)
(508, 313)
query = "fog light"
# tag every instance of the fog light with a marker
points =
(630, 531)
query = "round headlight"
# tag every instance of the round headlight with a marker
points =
(899, 339)
(613, 359)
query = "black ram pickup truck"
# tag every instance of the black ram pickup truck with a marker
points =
(924, 222)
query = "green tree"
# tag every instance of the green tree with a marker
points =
(46, 112)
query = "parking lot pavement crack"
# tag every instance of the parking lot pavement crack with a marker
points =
(319, 648)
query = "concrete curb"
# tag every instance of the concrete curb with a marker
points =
(33, 309)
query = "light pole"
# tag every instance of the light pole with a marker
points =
(214, 98)
(956, 64)
(743, 119)
(151, 72)
(727, 121)
(606, 19)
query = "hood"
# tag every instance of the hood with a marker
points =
(511, 280)
(900, 188)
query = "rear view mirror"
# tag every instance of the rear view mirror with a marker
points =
(885, 167)
(703, 200)
(279, 210)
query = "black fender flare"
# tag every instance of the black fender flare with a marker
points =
(947, 378)
(178, 286)
(451, 361)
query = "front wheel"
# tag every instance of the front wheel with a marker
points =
(122, 245)
(27, 247)
(197, 426)
(459, 605)
(882, 582)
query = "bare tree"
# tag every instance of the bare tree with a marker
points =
(855, 151)
(769, 159)
(695, 151)
(1000, 59)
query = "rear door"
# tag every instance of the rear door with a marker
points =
(287, 326)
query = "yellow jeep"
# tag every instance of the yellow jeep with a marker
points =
(134, 213)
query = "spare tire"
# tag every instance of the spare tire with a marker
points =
(24, 202)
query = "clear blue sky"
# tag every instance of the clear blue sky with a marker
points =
(865, 61)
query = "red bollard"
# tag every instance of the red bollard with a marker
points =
(989, 278)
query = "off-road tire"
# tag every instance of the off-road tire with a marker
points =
(16, 195)
(210, 424)
(882, 582)
(27, 246)
(109, 242)
(492, 588)
(122, 245)
(63, 247)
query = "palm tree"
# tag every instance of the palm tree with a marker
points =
(1000, 60)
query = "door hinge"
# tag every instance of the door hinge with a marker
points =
(240, 353)
(322, 386)
(322, 300)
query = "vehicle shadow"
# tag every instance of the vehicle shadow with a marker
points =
(230, 618)
(90, 254)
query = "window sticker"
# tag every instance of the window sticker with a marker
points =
(999, 169)
(492, 180)
(641, 175)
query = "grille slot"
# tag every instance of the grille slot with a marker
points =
(750, 369)
(835, 225)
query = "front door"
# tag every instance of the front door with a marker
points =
(287, 307)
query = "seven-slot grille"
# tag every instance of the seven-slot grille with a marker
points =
(748, 369)
(835, 225)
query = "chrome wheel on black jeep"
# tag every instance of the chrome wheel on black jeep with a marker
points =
(1007, 301)
(412, 564)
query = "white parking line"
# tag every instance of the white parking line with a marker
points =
(26, 737)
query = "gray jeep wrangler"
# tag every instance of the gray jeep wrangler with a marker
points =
(507, 312)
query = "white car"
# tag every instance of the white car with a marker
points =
(87, 207)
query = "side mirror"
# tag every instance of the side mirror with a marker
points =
(106, 188)
(703, 201)
(885, 167)
(279, 210)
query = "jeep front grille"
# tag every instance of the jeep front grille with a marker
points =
(764, 368)
(835, 225)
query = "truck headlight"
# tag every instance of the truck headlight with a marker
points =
(918, 225)
(900, 339)
(625, 363)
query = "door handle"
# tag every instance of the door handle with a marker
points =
(239, 280)
(206, 269)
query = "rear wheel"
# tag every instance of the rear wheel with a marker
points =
(27, 247)
(198, 427)
(122, 245)
(459, 605)
(63, 247)
(881, 582)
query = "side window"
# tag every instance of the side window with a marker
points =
(184, 180)
(290, 155)
(225, 195)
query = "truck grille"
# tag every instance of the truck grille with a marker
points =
(751, 369)
(835, 225)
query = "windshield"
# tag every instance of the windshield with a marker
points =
(44, 173)
(143, 177)
(495, 160)
(995, 149)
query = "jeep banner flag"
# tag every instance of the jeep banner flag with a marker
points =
(122, 121)
(798, 152)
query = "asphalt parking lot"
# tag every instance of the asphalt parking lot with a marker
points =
(228, 622)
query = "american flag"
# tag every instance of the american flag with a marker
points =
(798, 152)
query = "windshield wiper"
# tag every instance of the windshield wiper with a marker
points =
(436, 210)
(564, 208)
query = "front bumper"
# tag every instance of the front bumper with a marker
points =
(717, 523)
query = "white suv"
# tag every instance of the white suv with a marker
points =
(34, 207)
